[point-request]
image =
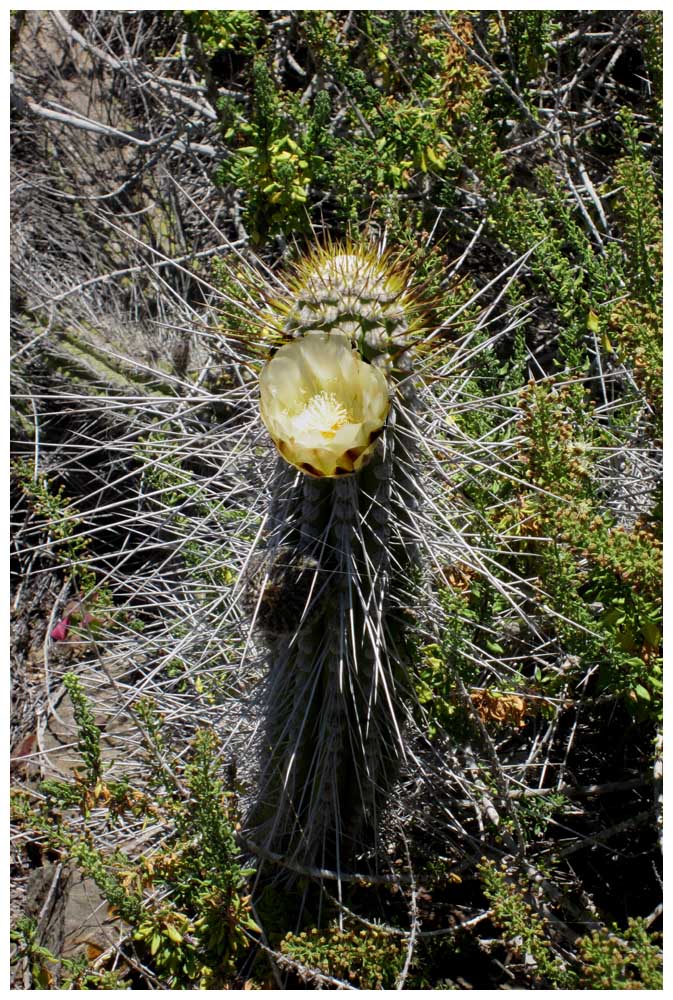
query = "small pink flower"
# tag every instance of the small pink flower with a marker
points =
(60, 631)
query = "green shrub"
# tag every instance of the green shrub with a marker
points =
(367, 959)
(614, 959)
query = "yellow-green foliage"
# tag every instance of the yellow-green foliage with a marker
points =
(283, 148)
(275, 159)
(607, 959)
(226, 30)
(651, 26)
(368, 959)
(44, 967)
(636, 322)
(590, 558)
(67, 540)
(525, 933)
(614, 959)
(185, 901)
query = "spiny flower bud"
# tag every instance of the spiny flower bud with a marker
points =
(354, 292)
(323, 406)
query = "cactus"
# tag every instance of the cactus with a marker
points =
(331, 585)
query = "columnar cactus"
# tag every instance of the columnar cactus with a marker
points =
(330, 586)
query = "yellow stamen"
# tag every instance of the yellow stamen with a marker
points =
(323, 413)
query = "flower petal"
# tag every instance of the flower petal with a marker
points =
(60, 631)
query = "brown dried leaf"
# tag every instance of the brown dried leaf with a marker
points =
(510, 709)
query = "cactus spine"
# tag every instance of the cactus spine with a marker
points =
(332, 584)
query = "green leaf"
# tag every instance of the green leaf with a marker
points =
(606, 344)
(593, 325)
(627, 641)
(652, 633)
(613, 617)
(174, 934)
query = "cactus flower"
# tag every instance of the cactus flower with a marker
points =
(323, 406)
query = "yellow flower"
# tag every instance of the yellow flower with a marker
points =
(323, 406)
